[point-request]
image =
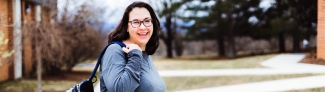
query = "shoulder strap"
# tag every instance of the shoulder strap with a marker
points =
(101, 56)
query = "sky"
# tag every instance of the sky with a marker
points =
(115, 8)
(120, 5)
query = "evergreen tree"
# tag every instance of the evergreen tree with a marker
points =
(226, 19)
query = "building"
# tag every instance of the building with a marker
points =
(321, 30)
(13, 15)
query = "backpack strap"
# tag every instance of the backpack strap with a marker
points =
(101, 56)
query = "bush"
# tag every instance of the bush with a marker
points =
(4, 53)
(63, 43)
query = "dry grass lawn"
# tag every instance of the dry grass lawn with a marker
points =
(181, 64)
(187, 83)
(30, 85)
(322, 89)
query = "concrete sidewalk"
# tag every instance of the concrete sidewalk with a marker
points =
(270, 86)
(284, 63)
(290, 61)
(281, 64)
(238, 72)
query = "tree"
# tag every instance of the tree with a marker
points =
(226, 19)
(63, 42)
(47, 42)
(299, 19)
(304, 14)
(169, 13)
(81, 28)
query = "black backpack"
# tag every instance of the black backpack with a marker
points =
(87, 85)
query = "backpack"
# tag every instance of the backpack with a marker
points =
(87, 85)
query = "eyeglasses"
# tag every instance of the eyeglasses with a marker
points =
(137, 23)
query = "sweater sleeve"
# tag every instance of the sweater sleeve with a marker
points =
(118, 74)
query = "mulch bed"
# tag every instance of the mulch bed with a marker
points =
(69, 76)
(65, 76)
(311, 58)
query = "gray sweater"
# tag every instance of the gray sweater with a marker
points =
(132, 72)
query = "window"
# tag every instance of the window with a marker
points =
(28, 8)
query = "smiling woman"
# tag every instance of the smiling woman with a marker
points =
(139, 34)
(131, 69)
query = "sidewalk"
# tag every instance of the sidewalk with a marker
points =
(281, 64)
(238, 72)
(270, 86)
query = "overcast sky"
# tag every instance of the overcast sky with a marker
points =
(115, 8)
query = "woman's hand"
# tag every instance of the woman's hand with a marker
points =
(130, 47)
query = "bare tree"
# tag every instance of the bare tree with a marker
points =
(60, 44)
(47, 43)
(82, 28)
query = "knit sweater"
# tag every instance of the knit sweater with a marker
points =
(131, 72)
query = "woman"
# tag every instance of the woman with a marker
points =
(131, 69)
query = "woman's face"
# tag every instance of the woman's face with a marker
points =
(140, 27)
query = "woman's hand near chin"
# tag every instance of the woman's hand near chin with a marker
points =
(130, 47)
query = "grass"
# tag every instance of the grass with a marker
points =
(206, 62)
(187, 83)
(180, 83)
(183, 64)
(321, 89)
(31, 85)
(25, 84)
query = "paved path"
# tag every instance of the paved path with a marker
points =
(281, 64)
(289, 61)
(270, 86)
(237, 72)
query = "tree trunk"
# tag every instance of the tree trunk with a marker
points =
(281, 43)
(39, 70)
(178, 43)
(221, 46)
(296, 43)
(69, 67)
(231, 53)
(169, 37)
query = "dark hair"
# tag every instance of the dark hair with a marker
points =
(120, 32)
